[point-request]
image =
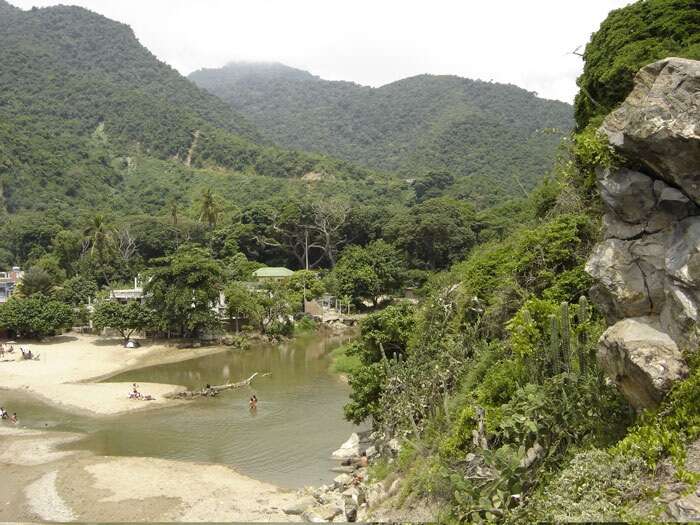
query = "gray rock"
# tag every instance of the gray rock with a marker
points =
(629, 194)
(342, 480)
(350, 448)
(298, 507)
(394, 488)
(375, 494)
(685, 509)
(679, 317)
(641, 359)
(344, 469)
(394, 446)
(313, 516)
(533, 454)
(621, 288)
(649, 253)
(683, 255)
(657, 124)
(354, 494)
(673, 202)
(350, 511)
(614, 228)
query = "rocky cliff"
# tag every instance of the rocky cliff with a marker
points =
(647, 270)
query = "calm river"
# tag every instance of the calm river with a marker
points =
(288, 441)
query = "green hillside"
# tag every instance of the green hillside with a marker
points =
(490, 137)
(92, 124)
(80, 98)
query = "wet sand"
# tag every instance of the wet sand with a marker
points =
(39, 483)
(68, 364)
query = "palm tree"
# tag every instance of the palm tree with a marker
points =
(173, 210)
(208, 208)
(97, 234)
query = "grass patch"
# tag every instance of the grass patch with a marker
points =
(344, 363)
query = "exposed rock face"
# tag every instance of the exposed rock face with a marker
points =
(648, 266)
(658, 122)
(643, 360)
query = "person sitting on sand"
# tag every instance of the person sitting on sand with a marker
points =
(3, 414)
(135, 394)
(13, 418)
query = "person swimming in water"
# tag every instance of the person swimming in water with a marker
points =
(253, 403)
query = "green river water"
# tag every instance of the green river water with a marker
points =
(288, 441)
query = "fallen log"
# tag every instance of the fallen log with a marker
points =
(213, 391)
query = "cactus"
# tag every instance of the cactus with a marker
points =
(565, 336)
(554, 344)
(583, 316)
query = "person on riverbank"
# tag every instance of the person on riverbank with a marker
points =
(13, 418)
(3, 413)
(135, 394)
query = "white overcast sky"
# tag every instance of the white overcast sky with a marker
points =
(372, 42)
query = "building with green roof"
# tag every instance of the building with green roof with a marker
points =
(272, 273)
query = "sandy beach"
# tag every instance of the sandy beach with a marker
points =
(40, 482)
(69, 364)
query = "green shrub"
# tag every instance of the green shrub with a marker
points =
(343, 361)
(594, 486)
(305, 324)
(667, 430)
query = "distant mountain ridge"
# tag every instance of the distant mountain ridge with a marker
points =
(80, 96)
(486, 132)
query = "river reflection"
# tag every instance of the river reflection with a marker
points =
(286, 441)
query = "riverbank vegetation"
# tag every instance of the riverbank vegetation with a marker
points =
(491, 382)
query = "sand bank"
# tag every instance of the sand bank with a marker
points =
(69, 364)
(40, 483)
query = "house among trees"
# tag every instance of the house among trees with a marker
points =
(272, 273)
(128, 294)
(8, 282)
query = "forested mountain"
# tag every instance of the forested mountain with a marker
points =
(486, 135)
(80, 98)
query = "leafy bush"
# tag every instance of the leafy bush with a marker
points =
(35, 316)
(667, 430)
(343, 361)
(594, 486)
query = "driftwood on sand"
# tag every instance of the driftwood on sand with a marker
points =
(214, 390)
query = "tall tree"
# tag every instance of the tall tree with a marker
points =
(367, 273)
(125, 318)
(208, 208)
(330, 215)
(97, 236)
(35, 316)
(434, 233)
(182, 290)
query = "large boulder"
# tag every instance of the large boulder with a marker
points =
(646, 271)
(658, 125)
(629, 194)
(643, 360)
(621, 287)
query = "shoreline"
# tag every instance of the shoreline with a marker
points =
(42, 482)
(70, 373)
